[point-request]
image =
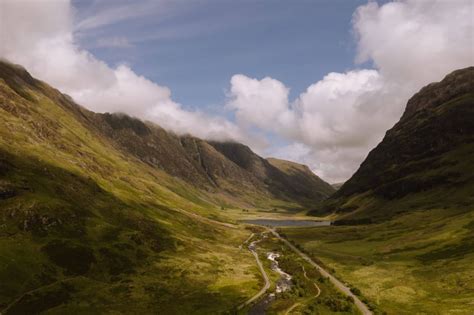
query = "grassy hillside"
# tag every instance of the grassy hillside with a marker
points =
(86, 228)
(404, 231)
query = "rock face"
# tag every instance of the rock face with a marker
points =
(429, 149)
(212, 165)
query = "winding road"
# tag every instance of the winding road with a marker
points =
(252, 249)
(338, 284)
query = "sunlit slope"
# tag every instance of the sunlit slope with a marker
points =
(86, 227)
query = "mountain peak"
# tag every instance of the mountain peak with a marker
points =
(456, 83)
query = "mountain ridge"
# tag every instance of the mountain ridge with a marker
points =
(427, 151)
(204, 164)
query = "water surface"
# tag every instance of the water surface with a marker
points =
(287, 222)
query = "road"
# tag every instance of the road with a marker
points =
(252, 249)
(338, 284)
(247, 240)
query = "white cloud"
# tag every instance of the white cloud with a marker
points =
(332, 124)
(333, 110)
(39, 36)
(337, 120)
(418, 41)
(263, 103)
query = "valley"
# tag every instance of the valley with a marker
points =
(105, 213)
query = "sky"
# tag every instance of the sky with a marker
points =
(317, 82)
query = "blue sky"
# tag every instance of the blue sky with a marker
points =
(195, 49)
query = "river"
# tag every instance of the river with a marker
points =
(283, 284)
(286, 222)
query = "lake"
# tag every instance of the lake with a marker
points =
(288, 222)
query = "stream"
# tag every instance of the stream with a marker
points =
(283, 284)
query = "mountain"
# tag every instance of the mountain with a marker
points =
(298, 179)
(404, 222)
(290, 180)
(217, 167)
(423, 162)
(224, 167)
(106, 213)
(227, 167)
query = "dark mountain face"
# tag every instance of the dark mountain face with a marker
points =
(281, 178)
(428, 150)
(210, 165)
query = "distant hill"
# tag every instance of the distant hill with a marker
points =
(299, 179)
(425, 161)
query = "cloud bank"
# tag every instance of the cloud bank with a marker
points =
(337, 120)
(39, 35)
(330, 127)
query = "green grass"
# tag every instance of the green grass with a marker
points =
(85, 229)
(418, 263)
(303, 291)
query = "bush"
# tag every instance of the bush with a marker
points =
(355, 291)
(74, 258)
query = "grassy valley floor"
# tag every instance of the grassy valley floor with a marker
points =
(309, 293)
(418, 263)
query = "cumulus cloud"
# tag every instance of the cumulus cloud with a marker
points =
(263, 103)
(39, 35)
(418, 41)
(337, 120)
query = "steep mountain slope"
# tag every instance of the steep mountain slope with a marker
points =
(416, 189)
(424, 161)
(86, 227)
(225, 168)
(214, 166)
